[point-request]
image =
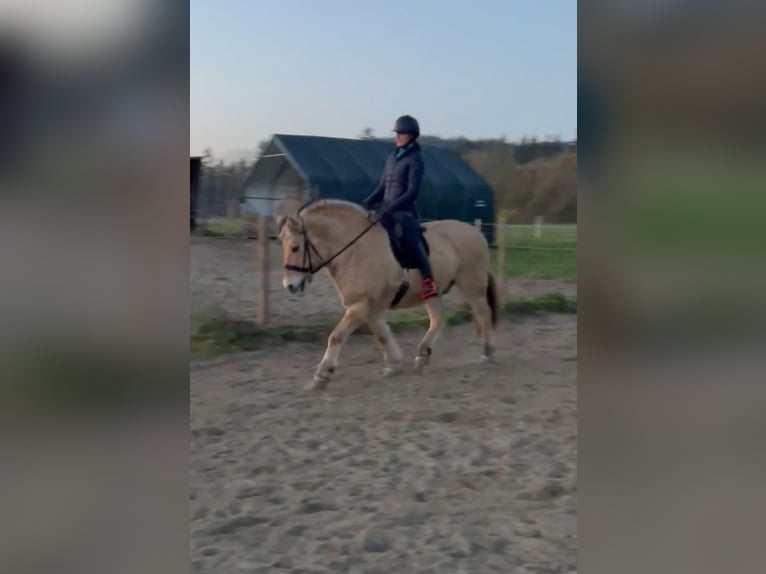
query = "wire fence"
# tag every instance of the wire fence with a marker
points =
(251, 268)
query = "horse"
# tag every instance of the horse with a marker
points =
(357, 251)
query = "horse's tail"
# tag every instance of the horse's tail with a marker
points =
(493, 298)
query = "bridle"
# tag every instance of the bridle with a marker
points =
(308, 246)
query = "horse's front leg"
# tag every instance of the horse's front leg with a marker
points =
(392, 354)
(352, 319)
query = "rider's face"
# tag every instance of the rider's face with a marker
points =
(402, 139)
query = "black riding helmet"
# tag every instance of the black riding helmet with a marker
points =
(407, 125)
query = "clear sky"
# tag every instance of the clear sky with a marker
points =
(481, 68)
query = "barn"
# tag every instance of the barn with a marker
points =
(298, 167)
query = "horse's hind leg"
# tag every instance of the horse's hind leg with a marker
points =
(392, 354)
(435, 328)
(483, 316)
(479, 292)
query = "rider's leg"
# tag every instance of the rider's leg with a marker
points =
(413, 239)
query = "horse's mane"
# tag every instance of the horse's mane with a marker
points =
(331, 204)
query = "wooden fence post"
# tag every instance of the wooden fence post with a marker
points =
(263, 270)
(230, 209)
(500, 242)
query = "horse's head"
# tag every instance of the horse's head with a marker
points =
(296, 254)
(334, 225)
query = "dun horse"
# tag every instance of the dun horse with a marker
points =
(339, 235)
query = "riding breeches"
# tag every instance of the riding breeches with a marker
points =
(405, 229)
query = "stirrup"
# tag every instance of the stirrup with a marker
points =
(428, 289)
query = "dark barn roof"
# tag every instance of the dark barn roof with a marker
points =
(350, 169)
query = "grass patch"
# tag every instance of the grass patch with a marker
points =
(223, 228)
(216, 334)
(219, 333)
(551, 303)
(553, 255)
(210, 232)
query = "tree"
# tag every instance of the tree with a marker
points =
(367, 134)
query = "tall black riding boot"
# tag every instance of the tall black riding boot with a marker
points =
(424, 265)
(428, 287)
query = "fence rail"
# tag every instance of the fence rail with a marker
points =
(541, 251)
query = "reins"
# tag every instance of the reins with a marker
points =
(308, 246)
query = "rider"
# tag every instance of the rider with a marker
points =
(394, 198)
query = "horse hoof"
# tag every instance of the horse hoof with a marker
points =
(420, 363)
(317, 384)
(389, 371)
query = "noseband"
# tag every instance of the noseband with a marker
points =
(308, 247)
(308, 264)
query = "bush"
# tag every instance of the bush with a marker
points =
(546, 186)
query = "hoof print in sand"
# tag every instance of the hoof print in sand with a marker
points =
(230, 526)
(459, 547)
(376, 541)
(312, 506)
(208, 431)
(553, 489)
(450, 417)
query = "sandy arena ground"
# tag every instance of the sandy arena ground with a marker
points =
(469, 468)
(224, 277)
